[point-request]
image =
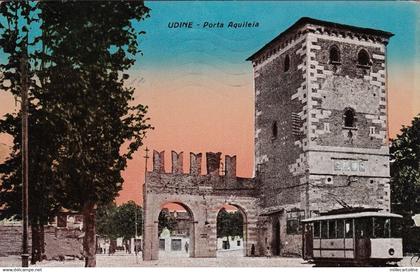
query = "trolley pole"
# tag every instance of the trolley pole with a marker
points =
(24, 152)
(146, 156)
(135, 234)
(145, 164)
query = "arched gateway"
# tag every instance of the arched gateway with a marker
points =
(321, 141)
(201, 196)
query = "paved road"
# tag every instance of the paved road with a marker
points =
(228, 259)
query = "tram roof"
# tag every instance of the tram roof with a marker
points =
(352, 215)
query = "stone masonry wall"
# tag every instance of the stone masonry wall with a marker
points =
(11, 240)
(58, 241)
(279, 102)
(351, 169)
(335, 87)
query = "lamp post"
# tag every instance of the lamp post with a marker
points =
(146, 156)
(135, 232)
(24, 152)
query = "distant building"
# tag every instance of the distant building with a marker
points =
(182, 227)
(170, 243)
(68, 219)
(230, 243)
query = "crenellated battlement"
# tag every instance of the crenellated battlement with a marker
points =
(194, 181)
(213, 163)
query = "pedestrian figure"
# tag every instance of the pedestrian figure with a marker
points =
(127, 248)
(186, 247)
(106, 249)
(253, 250)
(268, 252)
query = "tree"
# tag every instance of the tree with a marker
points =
(223, 223)
(127, 217)
(119, 221)
(229, 224)
(405, 173)
(15, 43)
(105, 221)
(79, 98)
(43, 205)
(237, 224)
(87, 48)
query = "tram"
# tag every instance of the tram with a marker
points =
(356, 236)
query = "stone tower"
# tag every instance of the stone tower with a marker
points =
(321, 125)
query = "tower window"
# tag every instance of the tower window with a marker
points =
(363, 58)
(274, 130)
(286, 63)
(349, 117)
(334, 54)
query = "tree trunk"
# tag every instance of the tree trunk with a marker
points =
(112, 246)
(42, 242)
(34, 231)
(36, 243)
(89, 240)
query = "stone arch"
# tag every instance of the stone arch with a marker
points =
(180, 203)
(153, 205)
(349, 117)
(334, 54)
(191, 249)
(363, 58)
(246, 246)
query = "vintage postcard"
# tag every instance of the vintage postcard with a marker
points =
(209, 134)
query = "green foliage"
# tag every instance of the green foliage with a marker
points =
(405, 185)
(17, 19)
(84, 125)
(86, 48)
(15, 43)
(166, 221)
(126, 217)
(114, 222)
(43, 205)
(229, 224)
(105, 225)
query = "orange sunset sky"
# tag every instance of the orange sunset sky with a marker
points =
(200, 105)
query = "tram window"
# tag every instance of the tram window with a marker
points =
(349, 228)
(396, 228)
(317, 230)
(364, 227)
(379, 227)
(340, 228)
(331, 229)
(324, 229)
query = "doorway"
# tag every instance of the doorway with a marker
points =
(276, 243)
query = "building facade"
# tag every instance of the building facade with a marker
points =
(321, 125)
(321, 143)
